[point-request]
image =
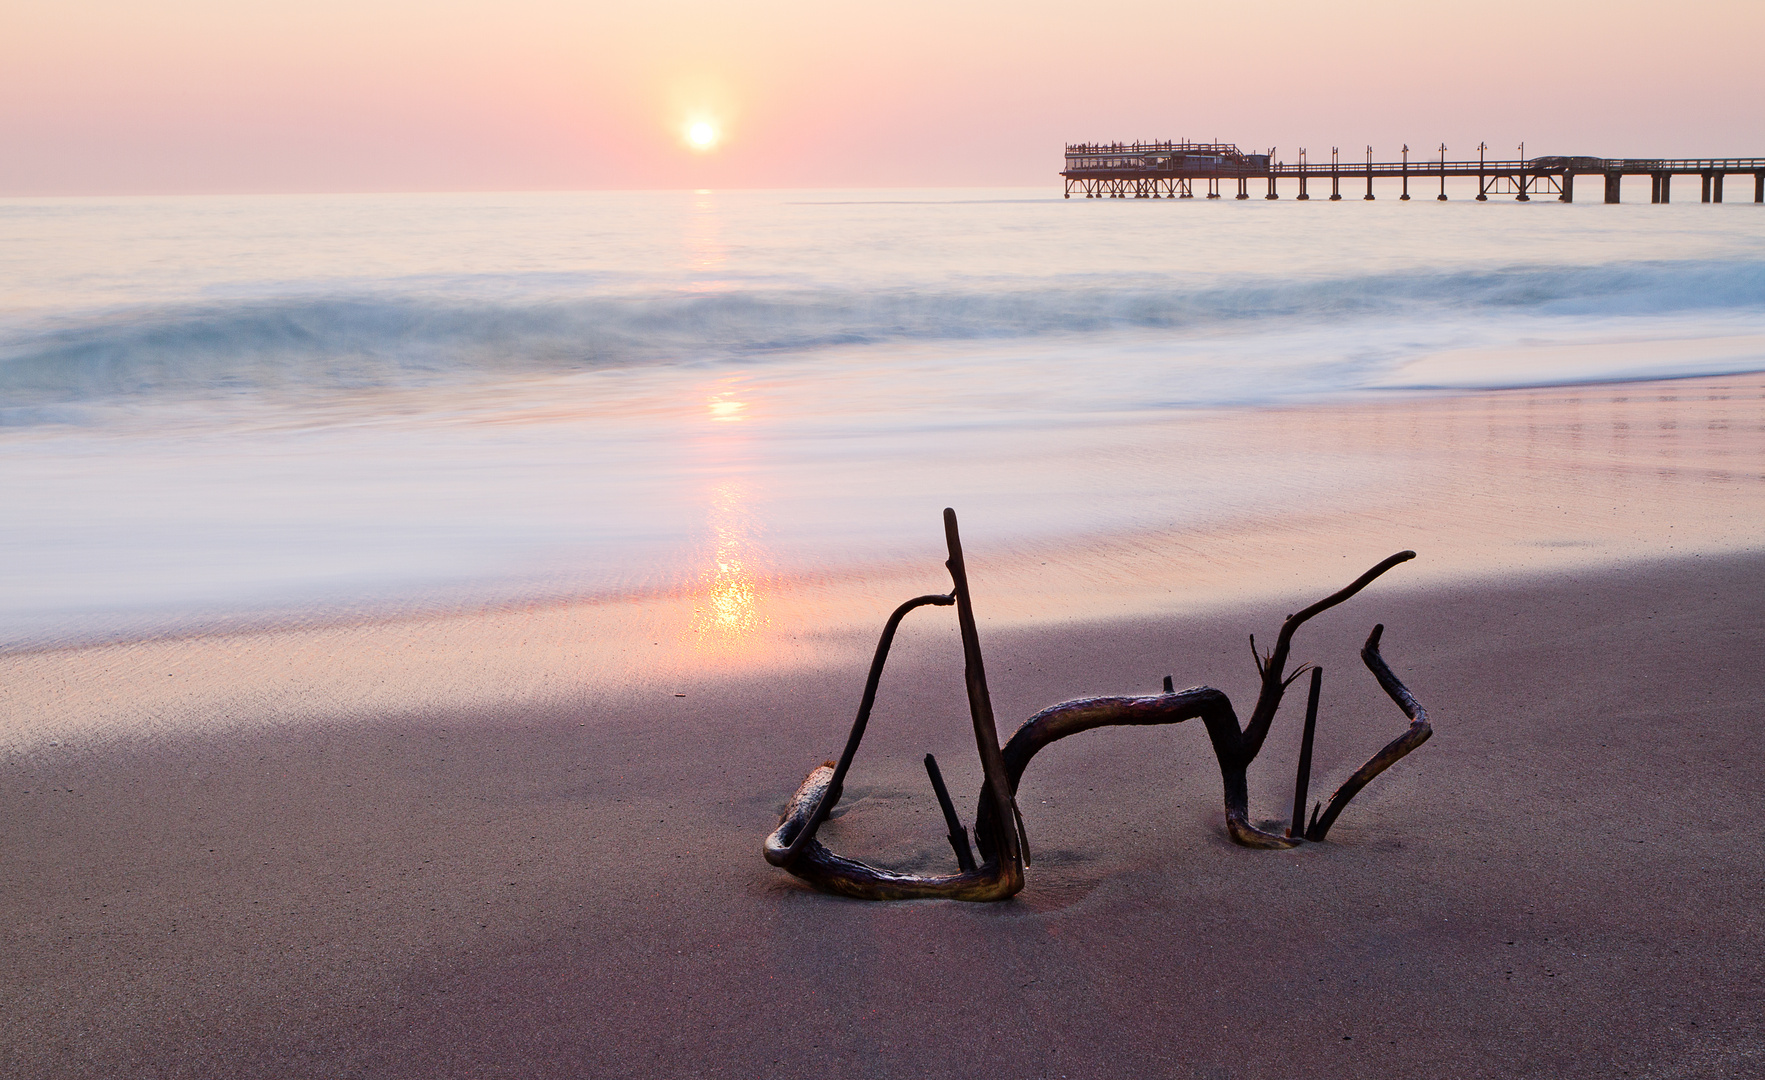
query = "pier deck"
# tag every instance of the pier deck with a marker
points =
(1172, 170)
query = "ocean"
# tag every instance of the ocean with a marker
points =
(216, 409)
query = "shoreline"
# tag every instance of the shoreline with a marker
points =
(1328, 426)
(1488, 487)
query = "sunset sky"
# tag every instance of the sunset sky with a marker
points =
(119, 96)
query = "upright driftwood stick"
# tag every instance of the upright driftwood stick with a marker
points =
(980, 702)
(1302, 776)
(958, 834)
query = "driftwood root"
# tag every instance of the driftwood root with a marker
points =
(999, 836)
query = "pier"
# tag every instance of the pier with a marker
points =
(1176, 169)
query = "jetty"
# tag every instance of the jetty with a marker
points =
(1176, 169)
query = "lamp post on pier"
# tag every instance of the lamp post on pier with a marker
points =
(1442, 173)
(1482, 192)
(1302, 196)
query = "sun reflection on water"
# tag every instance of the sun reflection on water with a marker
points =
(706, 254)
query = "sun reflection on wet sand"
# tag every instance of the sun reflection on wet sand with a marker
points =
(727, 612)
(729, 599)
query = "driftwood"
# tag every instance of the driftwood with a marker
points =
(998, 828)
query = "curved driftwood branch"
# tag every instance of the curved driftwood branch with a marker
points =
(998, 828)
(1394, 751)
(849, 877)
(793, 845)
(829, 796)
(1273, 667)
(1083, 714)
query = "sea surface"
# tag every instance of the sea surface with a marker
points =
(216, 408)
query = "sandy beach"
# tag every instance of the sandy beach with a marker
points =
(526, 842)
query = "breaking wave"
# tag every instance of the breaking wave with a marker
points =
(300, 344)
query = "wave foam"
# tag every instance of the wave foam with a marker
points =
(303, 344)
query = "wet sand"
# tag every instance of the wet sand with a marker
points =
(481, 846)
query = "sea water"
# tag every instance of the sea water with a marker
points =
(213, 408)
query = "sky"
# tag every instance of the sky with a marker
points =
(208, 96)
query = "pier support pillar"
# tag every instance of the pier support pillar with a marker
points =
(1613, 180)
(1705, 196)
(1482, 189)
(1272, 193)
(1369, 197)
(1405, 197)
(1244, 187)
(1716, 188)
(1666, 187)
(1759, 187)
(1568, 186)
(1335, 187)
(1302, 196)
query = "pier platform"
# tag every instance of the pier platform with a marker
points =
(1176, 169)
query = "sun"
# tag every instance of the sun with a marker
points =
(701, 135)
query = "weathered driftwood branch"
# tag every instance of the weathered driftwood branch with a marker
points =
(1234, 748)
(998, 828)
(1302, 775)
(793, 845)
(1418, 733)
(958, 834)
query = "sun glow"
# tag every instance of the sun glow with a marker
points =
(702, 135)
(722, 408)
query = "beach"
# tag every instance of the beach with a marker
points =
(415, 612)
(524, 839)
(514, 516)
